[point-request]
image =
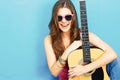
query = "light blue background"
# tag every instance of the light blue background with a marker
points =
(24, 24)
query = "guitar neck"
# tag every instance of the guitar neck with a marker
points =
(85, 37)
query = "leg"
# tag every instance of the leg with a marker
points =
(113, 69)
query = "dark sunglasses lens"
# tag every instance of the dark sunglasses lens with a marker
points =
(68, 17)
(59, 18)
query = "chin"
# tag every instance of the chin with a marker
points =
(65, 30)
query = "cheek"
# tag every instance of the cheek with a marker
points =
(59, 25)
(70, 23)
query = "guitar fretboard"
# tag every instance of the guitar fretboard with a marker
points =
(85, 37)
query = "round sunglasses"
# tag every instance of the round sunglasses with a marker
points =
(67, 17)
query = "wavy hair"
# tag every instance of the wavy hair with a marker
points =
(55, 32)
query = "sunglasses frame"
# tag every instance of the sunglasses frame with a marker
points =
(65, 16)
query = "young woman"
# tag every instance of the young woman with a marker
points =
(65, 37)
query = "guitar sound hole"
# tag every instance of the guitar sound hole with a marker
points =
(98, 74)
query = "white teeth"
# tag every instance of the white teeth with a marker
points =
(64, 25)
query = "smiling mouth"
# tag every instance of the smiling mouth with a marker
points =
(64, 25)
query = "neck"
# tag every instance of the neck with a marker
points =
(66, 34)
(66, 39)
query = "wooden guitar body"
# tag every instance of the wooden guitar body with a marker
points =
(76, 57)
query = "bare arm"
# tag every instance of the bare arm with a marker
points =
(109, 54)
(51, 59)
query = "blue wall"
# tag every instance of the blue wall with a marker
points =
(24, 24)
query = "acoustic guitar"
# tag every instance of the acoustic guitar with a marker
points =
(87, 54)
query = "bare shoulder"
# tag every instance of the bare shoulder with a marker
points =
(94, 38)
(47, 39)
(92, 34)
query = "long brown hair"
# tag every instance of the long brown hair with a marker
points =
(55, 32)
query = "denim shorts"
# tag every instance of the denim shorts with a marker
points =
(113, 69)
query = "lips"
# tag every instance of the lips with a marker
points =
(64, 25)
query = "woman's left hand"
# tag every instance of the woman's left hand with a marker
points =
(77, 70)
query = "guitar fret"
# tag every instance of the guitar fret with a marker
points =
(83, 12)
(85, 31)
(84, 24)
(85, 16)
(82, 3)
(84, 27)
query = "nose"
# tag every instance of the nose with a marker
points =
(63, 20)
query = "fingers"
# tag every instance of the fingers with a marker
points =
(73, 71)
(76, 71)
